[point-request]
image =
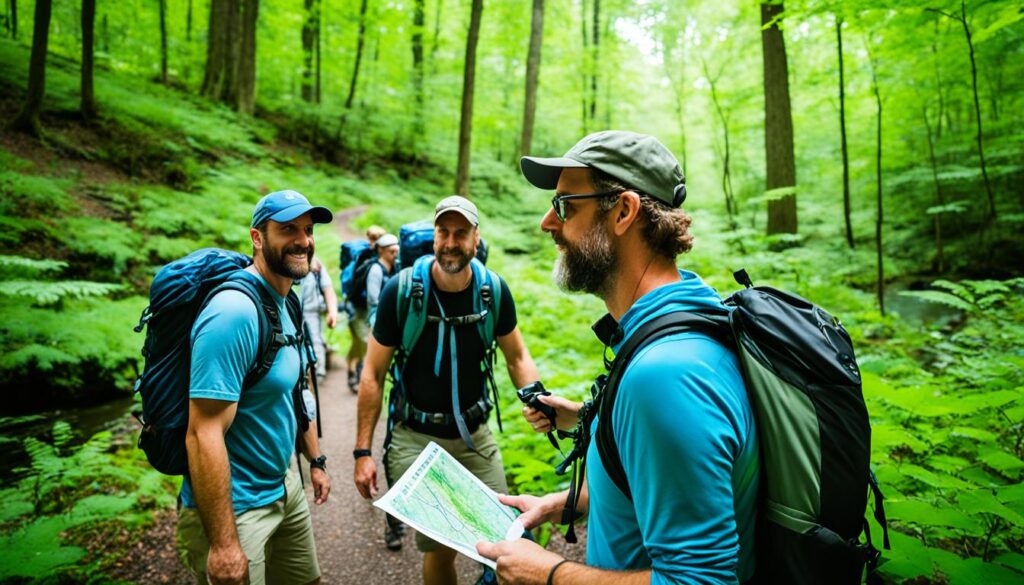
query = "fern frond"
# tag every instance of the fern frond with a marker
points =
(30, 264)
(944, 298)
(50, 293)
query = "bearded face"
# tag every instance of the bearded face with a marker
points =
(585, 265)
(286, 259)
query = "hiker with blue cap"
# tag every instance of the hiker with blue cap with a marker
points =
(243, 515)
(438, 325)
(682, 422)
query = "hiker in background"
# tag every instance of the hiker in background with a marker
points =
(243, 515)
(379, 273)
(358, 325)
(441, 377)
(318, 298)
(682, 421)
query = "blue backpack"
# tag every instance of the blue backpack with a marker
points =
(178, 294)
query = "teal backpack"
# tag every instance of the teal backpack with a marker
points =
(413, 291)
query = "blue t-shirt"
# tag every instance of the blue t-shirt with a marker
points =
(261, 439)
(686, 437)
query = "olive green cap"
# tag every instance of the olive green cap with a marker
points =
(637, 160)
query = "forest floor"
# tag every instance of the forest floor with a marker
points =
(349, 530)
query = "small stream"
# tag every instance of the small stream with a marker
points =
(85, 422)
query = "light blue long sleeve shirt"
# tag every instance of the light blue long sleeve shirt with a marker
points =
(686, 436)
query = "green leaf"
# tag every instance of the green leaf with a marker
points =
(935, 296)
(974, 571)
(1011, 493)
(887, 437)
(1002, 461)
(1011, 559)
(933, 479)
(983, 501)
(927, 513)
(973, 433)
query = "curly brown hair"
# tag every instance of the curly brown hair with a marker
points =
(666, 229)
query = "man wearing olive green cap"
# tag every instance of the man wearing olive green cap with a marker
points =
(681, 421)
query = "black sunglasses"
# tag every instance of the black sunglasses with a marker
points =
(558, 201)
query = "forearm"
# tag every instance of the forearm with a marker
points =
(523, 371)
(332, 302)
(210, 474)
(309, 442)
(573, 573)
(368, 407)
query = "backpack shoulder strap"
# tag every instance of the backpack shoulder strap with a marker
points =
(714, 325)
(413, 288)
(486, 297)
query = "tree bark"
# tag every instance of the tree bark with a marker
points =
(319, 45)
(216, 49)
(308, 49)
(28, 119)
(778, 126)
(88, 105)
(842, 136)
(163, 41)
(14, 19)
(977, 112)
(585, 93)
(246, 103)
(532, 74)
(188, 22)
(359, 56)
(468, 82)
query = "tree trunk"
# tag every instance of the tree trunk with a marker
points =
(879, 216)
(319, 46)
(585, 93)
(359, 56)
(105, 33)
(730, 202)
(778, 126)
(14, 19)
(216, 49)
(188, 22)
(977, 112)
(163, 41)
(532, 73)
(308, 48)
(468, 81)
(246, 103)
(674, 62)
(936, 218)
(595, 63)
(88, 106)
(418, 23)
(842, 136)
(28, 119)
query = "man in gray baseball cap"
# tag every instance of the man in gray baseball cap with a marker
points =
(681, 414)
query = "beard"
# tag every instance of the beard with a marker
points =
(587, 265)
(280, 261)
(454, 259)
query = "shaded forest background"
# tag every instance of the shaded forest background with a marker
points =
(866, 154)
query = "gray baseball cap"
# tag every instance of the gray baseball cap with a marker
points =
(386, 241)
(638, 160)
(459, 205)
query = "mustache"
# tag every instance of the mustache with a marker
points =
(298, 250)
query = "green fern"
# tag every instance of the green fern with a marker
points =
(944, 298)
(44, 293)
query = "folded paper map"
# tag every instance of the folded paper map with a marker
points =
(441, 499)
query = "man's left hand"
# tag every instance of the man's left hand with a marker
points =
(520, 561)
(321, 485)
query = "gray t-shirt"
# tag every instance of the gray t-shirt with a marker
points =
(313, 299)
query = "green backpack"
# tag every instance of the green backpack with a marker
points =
(413, 290)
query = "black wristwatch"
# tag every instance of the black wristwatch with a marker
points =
(319, 463)
(361, 453)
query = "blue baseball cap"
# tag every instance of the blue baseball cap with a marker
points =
(282, 206)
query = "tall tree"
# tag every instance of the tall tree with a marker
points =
(842, 134)
(532, 73)
(28, 118)
(879, 214)
(731, 208)
(595, 47)
(188, 22)
(962, 19)
(318, 75)
(778, 125)
(673, 58)
(359, 56)
(468, 84)
(246, 97)
(309, 26)
(585, 77)
(418, 22)
(88, 105)
(940, 260)
(163, 41)
(14, 19)
(231, 53)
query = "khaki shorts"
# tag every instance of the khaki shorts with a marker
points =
(359, 327)
(277, 539)
(407, 444)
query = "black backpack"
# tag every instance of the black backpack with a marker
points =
(805, 390)
(177, 296)
(357, 292)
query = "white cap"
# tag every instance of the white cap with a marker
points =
(386, 241)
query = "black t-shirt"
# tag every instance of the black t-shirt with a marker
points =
(426, 391)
